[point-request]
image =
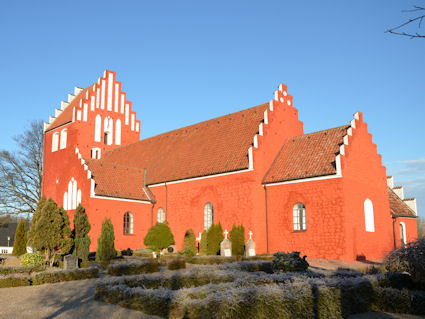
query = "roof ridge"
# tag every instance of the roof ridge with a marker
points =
(113, 163)
(328, 129)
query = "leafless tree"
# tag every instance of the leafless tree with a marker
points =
(21, 172)
(417, 19)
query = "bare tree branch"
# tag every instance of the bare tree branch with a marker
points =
(21, 172)
(398, 30)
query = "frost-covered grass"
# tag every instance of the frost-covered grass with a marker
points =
(239, 290)
(134, 266)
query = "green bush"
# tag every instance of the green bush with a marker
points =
(408, 259)
(20, 241)
(13, 281)
(106, 243)
(176, 263)
(285, 262)
(189, 243)
(133, 267)
(32, 259)
(237, 237)
(159, 237)
(21, 269)
(81, 234)
(203, 245)
(214, 239)
(47, 277)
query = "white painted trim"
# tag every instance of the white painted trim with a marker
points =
(281, 87)
(255, 143)
(404, 233)
(250, 159)
(271, 105)
(345, 139)
(58, 112)
(51, 119)
(276, 95)
(202, 177)
(77, 90)
(70, 97)
(310, 179)
(121, 199)
(342, 150)
(350, 131)
(64, 105)
(260, 129)
(338, 165)
(266, 117)
(356, 115)
(353, 123)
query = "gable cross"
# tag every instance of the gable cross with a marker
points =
(250, 234)
(225, 234)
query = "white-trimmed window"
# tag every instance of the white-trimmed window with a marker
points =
(299, 217)
(108, 129)
(55, 141)
(72, 197)
(161, 215)
(64, 135)
(403, 234)
(208, 215)
(118, 132)
(95, 153)
(128, 223)
(368, 215)
(97, 128)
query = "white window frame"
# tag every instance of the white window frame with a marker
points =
(299, 217)
(161, 215)
(55, 141)
(128, 223)
(369, 216)
(63, 139)
(208, 215)
(403, 238)
(95, 153)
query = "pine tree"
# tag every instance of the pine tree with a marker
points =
(189, 242)
(50, 230)
(237, 237)
(214, 239)
(81, 234)
(20, 242)
(159, 237)
(105, 243)
(203, 245)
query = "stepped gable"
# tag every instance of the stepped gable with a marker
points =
(309, 155)
(66, 115)
(117, 180)
(216, 146)
(398, 208)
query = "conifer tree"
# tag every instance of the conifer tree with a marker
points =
(159, 237)
(50, 231)
(189, 242)
(237, 237)
(20, 242)
(203, 245)
(106, 243)
(32, 235)
(81, 234)
(214, 239)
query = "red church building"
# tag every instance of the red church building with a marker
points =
(325, 193)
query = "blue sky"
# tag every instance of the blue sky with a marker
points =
(182, 62)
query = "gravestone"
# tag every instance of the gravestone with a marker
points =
(70, 262)
(250, 246)
(226, 246)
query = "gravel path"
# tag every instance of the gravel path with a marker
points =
(74, 299)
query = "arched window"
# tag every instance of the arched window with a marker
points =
(403, 234)
(128, 223)
(97, 128)
(95, 153)
(108, 128)
(72, 197)
(64, 134)
(208, 215)
(65, 201)
(368, 215)
(55, 141)
(118, 132)
(300, 220)
(161, 215)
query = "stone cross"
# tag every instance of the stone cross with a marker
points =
(250, 234)
(225, 234)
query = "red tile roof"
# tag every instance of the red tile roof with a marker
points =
(398, 208)
(66, 115)
(117, 180)
(308, 155)
(215, 146)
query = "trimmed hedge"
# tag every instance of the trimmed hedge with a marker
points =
(13, 281)
(21, 270)
(211, 260)
(64, 275)
(133, 267)
(176, 263)
(251, 266)
(284, 262)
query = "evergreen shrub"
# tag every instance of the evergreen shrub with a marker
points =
(176, 263)
(159, 237)
(20, 241)
(32, 259)
(21, 269)
(203, 245)
(189, 243)
(47, 277)
(214, 239)
(237, 237)
(106, 243)
(13, 281)
(81, 234)
(285, 262)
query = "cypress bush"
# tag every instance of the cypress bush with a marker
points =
(214, 239)
(32, 259)
(105, 243)
(159, 237)
(203, 245)
(237, 237)
(20, 242)
(189, 243)
(81, 234)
